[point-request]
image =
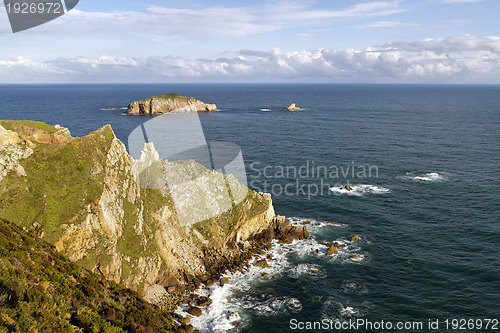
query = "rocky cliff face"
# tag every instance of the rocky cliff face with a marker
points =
(83, 196)
(169, 103)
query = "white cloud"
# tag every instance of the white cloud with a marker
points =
(459, 57)
(460, 1)
(161, 22)
(386, 24)
(370, 8)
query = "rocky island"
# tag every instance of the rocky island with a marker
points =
(73, 205)
(292, 107)
(170, 102)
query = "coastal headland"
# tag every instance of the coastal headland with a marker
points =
(81, 195)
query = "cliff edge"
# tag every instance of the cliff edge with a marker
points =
(170, 102)
(83, 197)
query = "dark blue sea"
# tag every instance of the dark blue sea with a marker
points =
(424, 165)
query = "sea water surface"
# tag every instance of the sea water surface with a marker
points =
(423, 161)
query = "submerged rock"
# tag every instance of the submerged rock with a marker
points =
(347, 187)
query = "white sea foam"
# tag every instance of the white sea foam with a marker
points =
(429, 177)
(313, 224)
(349, 312)
(359, 190)
(423, 177)
(231, 303)
(110, 109)
(353, 287)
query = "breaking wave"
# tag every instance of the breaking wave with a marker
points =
(423, 177)
(233, 302)
(359, 190)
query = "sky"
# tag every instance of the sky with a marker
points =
(260, 41)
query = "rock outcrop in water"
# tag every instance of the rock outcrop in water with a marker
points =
(82, 195)
(292, 107)
(169, 103)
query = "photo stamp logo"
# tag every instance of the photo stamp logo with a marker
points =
(26, 14)
(198, 193)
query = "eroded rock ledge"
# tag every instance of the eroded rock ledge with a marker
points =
(165, 103)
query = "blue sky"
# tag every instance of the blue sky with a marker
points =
(386, 41)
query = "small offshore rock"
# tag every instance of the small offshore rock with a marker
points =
(232, 316)
(332, 250)
(355, 239)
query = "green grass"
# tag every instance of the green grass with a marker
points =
(168, 96)
(42, 291)
(14, 124)
(59, 183)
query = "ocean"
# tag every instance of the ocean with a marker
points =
(423, 162)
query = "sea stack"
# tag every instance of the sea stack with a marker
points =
(170, 102)
(292, 107)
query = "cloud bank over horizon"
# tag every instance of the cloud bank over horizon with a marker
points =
(452, 59)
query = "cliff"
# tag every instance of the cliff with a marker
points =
(83, 197)
(169, 103)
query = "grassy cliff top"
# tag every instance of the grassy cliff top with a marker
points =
(42, 291)
(13, 125)
(169, 96)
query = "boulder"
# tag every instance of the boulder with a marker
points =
(262, 263)
(185, 320)
(355, 239)
(224, 281)
(8, 137)
(195, 311)
(299, 232)
(332, 250)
